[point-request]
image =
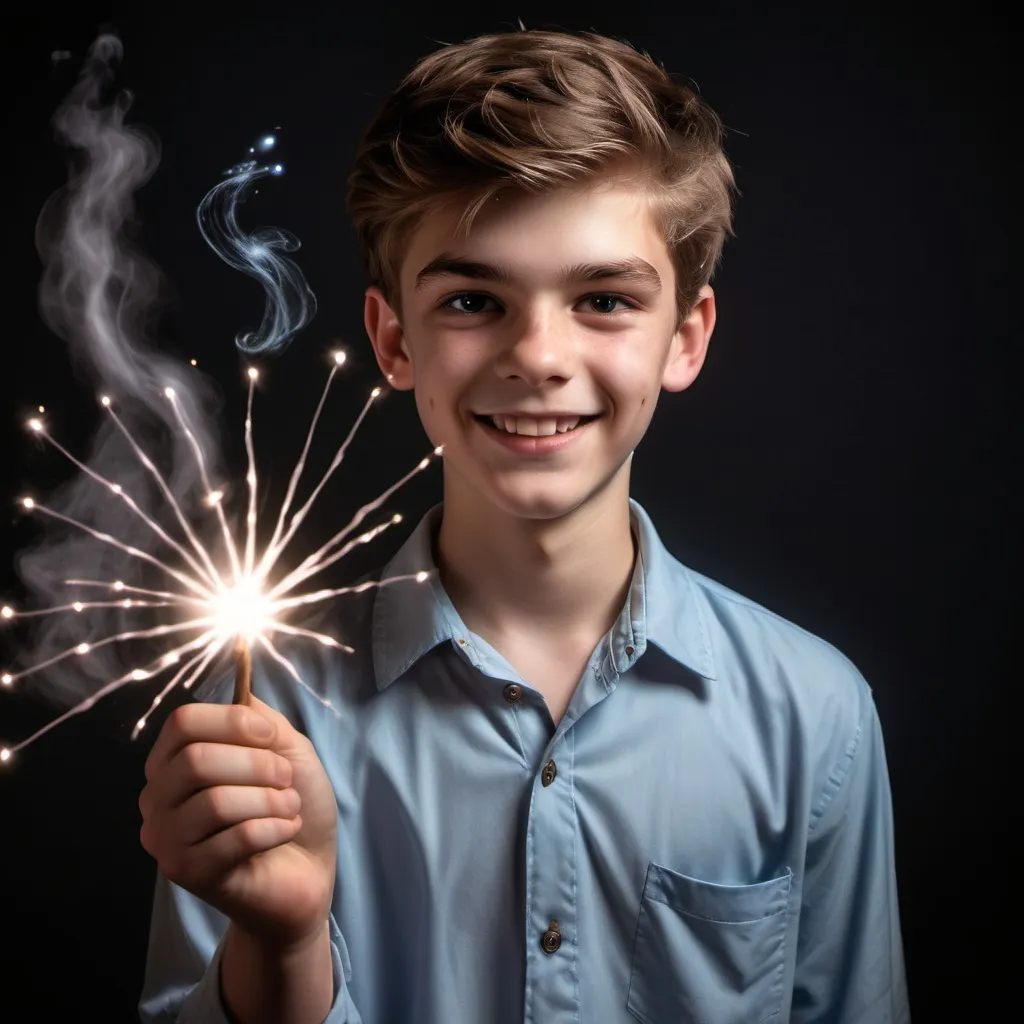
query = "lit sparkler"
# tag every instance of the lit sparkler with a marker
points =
(217, 596)
(238, 604)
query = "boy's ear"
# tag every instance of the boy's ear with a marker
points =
(690, 343)
(388, 340)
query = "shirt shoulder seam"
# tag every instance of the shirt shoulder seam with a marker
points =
(723, 592)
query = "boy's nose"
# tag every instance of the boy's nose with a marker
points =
(538, 354)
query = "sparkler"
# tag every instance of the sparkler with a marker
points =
(207, 598)
(237, 604)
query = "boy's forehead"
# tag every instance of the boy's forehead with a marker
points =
(569, 226)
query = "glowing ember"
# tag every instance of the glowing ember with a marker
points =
(242, 610)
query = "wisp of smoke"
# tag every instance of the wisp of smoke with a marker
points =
(97, 288)
(98, 292)
(289, 303)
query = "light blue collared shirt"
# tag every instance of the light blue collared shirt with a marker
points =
(705, 837)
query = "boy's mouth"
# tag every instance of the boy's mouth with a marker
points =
(532, 426)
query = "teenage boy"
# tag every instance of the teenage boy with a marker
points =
(570, 779)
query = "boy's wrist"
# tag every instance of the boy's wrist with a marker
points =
(281, 948)
(266, 980)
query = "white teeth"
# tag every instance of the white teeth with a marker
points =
(531, 427)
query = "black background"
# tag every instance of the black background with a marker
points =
(843, 458)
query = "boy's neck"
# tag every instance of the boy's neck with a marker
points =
(551, 582)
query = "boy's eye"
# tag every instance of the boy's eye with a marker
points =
(471, 303)
(470, 300)
(599, 302)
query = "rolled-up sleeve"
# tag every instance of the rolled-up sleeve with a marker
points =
(850, 967)
(182, 981)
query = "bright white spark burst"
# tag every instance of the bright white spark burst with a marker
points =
(219, 606)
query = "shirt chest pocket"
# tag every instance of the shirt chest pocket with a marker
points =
(708, 953)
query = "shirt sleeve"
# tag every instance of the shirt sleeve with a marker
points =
(182, 981)
(850, 966)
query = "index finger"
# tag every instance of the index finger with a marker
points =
(206, 723)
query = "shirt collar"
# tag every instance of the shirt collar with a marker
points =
(663, 606)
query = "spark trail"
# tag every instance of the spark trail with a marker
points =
(216, 605)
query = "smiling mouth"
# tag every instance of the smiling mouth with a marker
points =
(486, 421)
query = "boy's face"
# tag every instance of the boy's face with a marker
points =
(533, 342)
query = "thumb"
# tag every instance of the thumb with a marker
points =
(286, 739)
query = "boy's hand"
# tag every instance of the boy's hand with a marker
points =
(245, 820)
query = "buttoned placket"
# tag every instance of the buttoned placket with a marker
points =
(552, 994)
(552, 978)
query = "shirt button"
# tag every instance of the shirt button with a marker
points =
(551, 939)
(512, 693)
(548, 773)
(629, 652)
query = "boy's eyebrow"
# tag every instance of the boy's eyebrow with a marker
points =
(630, 268)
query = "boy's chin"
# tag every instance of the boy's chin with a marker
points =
(552, 499)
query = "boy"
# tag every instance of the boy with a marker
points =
(571, 780)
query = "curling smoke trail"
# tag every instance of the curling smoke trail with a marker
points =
(97, 292)
(97, 288)
(290, 304)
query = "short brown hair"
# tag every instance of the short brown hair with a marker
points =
(529, 112)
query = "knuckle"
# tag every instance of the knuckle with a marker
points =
(195, 761)
(217, 802)
(177, 723)
(188, 713)
(250, 833)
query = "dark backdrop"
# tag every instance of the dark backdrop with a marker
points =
(842, 459)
